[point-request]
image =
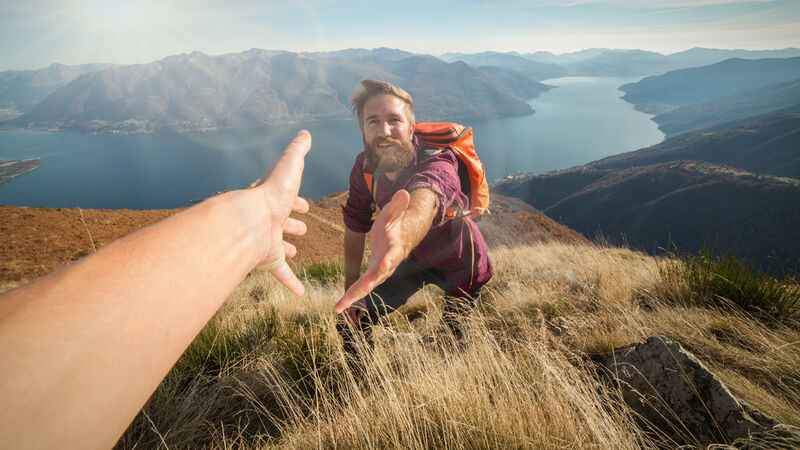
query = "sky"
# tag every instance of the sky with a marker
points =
(37, 33)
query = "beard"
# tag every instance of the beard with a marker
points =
(394, 161)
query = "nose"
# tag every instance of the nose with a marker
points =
(384, 129)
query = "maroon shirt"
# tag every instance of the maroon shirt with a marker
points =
(456, 247)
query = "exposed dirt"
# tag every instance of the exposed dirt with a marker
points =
(38, 240)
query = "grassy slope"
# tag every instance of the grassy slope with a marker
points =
(268, 370)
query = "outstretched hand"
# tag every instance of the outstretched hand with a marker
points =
(280, 185)
(388, 250)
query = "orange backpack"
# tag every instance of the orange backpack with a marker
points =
(436, 136)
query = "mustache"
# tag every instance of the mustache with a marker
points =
(385, 140)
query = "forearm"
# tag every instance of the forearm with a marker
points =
(418, 219)
(353, 255)
(85, 332)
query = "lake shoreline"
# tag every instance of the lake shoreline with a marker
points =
(15, 168)
(581, 119)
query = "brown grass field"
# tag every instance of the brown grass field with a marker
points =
(268, 370)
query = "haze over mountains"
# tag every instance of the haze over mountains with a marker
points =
(257, 87)
(610, 62)
(21, 90)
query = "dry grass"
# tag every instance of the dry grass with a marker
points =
(269, 372)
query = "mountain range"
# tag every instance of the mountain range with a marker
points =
(258, 87)
(21, 90)
(766, 100)
(610, 62)
(700, 84)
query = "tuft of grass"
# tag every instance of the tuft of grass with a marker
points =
(725, 279)
(218, 346)
(324, 272)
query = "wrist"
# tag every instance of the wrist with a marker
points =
(248, 210)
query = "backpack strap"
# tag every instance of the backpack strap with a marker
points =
(372, 184)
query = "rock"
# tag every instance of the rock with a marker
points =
(673, 393)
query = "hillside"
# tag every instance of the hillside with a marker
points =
(769, 99)
(260, 87)
(622, 63)
(683, 87)
(770, 145)
(21, 90)
(39, 240)
(268, 370)
(685, 203)
(530, 68)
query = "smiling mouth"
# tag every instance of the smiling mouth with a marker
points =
(386, 143)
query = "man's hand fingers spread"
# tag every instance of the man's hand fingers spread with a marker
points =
(300, 205)
(358, 290)
(295, 227)
(368, 281)
(289, 250)
(285, 275)
(287, 169)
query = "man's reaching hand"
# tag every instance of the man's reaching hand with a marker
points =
(388, 250)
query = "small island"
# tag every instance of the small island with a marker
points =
(11, 169)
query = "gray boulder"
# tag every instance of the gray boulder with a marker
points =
(675, 395)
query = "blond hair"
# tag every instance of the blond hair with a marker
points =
(369, 88)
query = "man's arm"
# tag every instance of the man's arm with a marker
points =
(353, 255)
(400, 226)
(82, 348)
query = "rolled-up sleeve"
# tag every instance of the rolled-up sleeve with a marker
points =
(357, 213)
(439, 173)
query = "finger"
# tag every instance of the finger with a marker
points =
(396, 207)
(300, 205)
(287, 169)
(363, 286)
(289, 250)
(286, 277)
(357, 290)
(352, 313)
(294, 226)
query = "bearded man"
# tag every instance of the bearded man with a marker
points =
(412, 243)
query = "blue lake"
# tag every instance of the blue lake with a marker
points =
(580, 121)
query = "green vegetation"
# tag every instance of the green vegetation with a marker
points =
(722, 280)
(218, 347)
(324, 271)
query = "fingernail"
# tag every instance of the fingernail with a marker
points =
(301, 132)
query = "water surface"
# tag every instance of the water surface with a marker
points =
(580, 121)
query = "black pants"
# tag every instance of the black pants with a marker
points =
(407, 279)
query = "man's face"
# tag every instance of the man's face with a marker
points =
(387, 132)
